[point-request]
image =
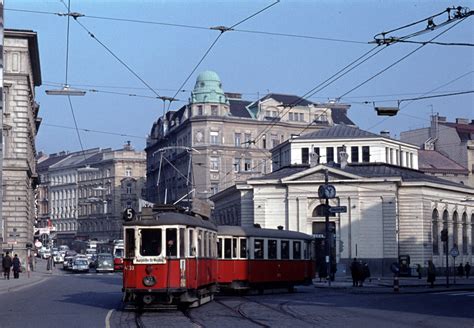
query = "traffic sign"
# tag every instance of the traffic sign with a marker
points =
(318, 235)
(338, 209)
(454, 251)
(38, 244)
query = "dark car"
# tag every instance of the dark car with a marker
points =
(104, 262)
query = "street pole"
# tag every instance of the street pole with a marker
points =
(326, 235)
(447, 265)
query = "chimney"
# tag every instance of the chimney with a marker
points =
(462, 121)
(128, 145)
(385, 133)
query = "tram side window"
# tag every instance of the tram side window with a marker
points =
(228, 248)
(192, 244)
(130, 242)
(272, 249)
(234, 248)
(171, 242)
(258, 249)
(206, 237)
(150, 243)
(182, 244)
(296, 250)
(285, 249)
(219, 248)
(200, 244)
(243, 248)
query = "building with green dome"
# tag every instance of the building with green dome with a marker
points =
(230, 138)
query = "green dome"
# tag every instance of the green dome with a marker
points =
(208, 89)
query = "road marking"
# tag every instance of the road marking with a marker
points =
(463, 293)
(107, 318)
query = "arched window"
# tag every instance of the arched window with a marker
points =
(435, 231)
(455, 229)
(445, 226)
(472, 233)
(320, 211)
(464, 233)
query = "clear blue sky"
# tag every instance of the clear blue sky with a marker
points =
(249, 63)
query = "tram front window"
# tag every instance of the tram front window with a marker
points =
(150, 243)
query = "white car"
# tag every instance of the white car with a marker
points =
(80, 264)
(58, 257)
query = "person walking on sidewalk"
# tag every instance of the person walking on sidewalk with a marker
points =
(16, 267)
(467, 270)
(418, 270)
(353, 268)
(460, 270)
(431, 273)
(7, 264)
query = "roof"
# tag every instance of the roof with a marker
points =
(45, 164)
(434, 162)
(465, 131)
(287, 99)
(171, 218)
(238, 108)
(260, 232)
(368, 170)
(340, 131)
(339, 116)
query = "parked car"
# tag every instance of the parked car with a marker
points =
(80, 264)
(104, 262)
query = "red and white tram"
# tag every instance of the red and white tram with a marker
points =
(170, 259)
(263, 258)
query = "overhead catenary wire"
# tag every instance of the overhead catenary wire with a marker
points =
(222, 30)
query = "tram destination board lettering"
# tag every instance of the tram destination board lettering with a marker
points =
(338, 209)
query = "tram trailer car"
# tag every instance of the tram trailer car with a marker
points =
(257, 258)
(170, 259)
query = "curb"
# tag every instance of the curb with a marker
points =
(403, 290)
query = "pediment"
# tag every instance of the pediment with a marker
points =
(317, 173)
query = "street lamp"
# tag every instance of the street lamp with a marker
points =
(65, 91)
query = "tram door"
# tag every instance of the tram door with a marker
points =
(319, 232)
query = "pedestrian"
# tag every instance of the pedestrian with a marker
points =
(16, 267)
(467, 270)
(460, 270)
(431, 273)
(322, 271)
(353, 269)
(364, 272)
(6, 265)
(418, 270)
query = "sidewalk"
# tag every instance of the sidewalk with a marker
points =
(38, 276)
(407, 285)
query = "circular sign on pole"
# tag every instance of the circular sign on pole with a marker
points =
(454, 251)
(38, 244)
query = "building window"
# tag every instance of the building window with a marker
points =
(237, 139)
(445, 226)
(329, 154)
(214, 189)
(236, 164)
(214, 137)
(128, 172)
(305, 155)
(275, 141)
(200, 112)
(248, 139)
(290, 117)
(355, 154)
(214, 163)
(455, 228)
(214, 110)
(407, 159)
(365, 154)
(301, 117)
(411, 160)
(391, 156)
(435, 233)
(264, 142)
(129, 188)
(472, 234)
(247, 165)
(397, 157)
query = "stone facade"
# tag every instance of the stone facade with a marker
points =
(219, 139)
(20, 126)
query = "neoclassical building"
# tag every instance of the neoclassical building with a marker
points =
(22, 74)
(218, 138)
(392, 210)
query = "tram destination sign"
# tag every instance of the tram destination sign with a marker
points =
(338, 209)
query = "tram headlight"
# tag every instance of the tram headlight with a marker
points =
(149, 281)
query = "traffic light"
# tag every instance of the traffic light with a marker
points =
(444, 234)
(341, 246)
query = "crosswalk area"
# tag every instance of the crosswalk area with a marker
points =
(457, 293)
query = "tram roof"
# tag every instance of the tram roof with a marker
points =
(171, 218)
(239, 231)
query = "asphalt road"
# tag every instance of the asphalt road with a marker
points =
(78, 300)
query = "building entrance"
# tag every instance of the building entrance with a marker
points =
(319, 232)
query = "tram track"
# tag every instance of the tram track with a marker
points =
(138, 319)
(241, 313)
